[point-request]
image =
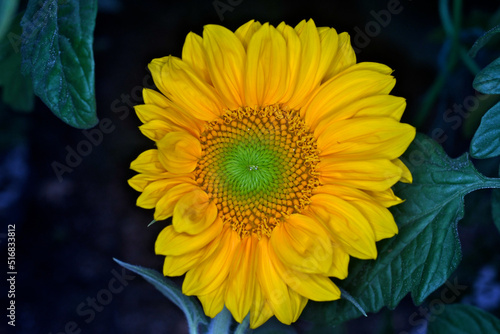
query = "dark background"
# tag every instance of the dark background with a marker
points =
(69, 229)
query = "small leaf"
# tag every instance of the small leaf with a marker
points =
(17, 90)
(488, 80)
(189, 305)
(481, 41)
(347, 296)
(486, 140)
(422, 256)
(57, 53)
(463, 319)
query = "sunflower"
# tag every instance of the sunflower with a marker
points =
(275, 156)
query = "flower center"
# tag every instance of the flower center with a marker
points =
(259, 166)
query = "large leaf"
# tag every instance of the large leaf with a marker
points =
(57, 52)
(463, 319)
(488, 80)
(426, 250)
(17, 90)
(495, 206)
(486, 140)
(7, 13)
(189, 305)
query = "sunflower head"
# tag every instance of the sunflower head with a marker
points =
(275, 156)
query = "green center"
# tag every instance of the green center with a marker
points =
(257, 166)
(252, 167)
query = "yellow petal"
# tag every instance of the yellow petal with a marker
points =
(173, 118)
(293, 46)
(246, 32)
(329, 46)
(148, 163)
(379, 217)
(273, 287)
(380, 106)
(340, 263)
(156, 129)
(313, 286)
(358, 138)
(179, 152)
(156, 68)
(346, 225)
(187, 90)
(298, 303)
(178, 265)
(213, 302)
(302, 244)
(385, 198)
(356, 82)
(241, 281)
(140, 181)
(261, 317)
(214, 270)
(265, 80)
(260, 311)
(191, 55)
(166, 204)
(225, 57)
(406, 177)
(378, 174)
(194, 212)
(308, 77)
(344, 57)
(171, 242)
(153, 97)
(153, 192)
(372, 106)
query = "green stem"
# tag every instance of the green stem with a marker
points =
(242, 328)
(452, 28)
(468, 61)
(490, 183)
(193, 327)
(221, 323)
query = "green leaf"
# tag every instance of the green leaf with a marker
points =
(486, 140)
(483, 40)
(488, 80)
(495, 206)
(189, 305)
(7, 13)
(426, 250)
(463, 319)
(17, 90)
(57, 52)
